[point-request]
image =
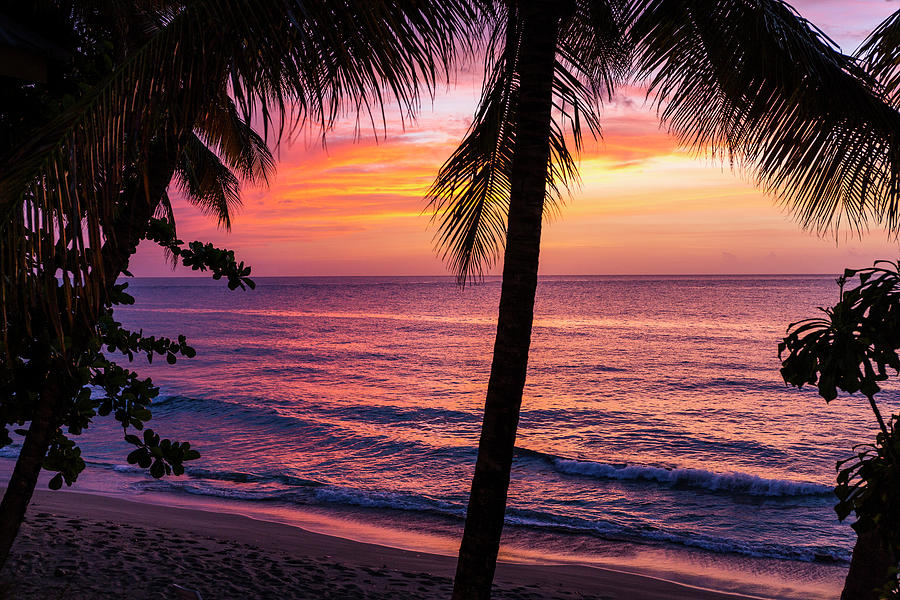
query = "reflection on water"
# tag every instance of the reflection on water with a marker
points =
(654, 411)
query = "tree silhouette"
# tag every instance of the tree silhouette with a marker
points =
(177, 98)
(747, 81)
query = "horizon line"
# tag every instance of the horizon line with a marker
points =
(498, 276)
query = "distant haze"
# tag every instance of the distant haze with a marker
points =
(644, 206)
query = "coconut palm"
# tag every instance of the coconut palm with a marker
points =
(278, 59)
(210, 180)
(748, 81)
(77, 198)
(222, 150)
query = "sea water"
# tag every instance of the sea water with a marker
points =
(654, 411)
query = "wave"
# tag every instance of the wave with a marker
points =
(317, 494)
(334, 495)
(820, 554)
(351, 427)
(273, 486)
(10, 451)
(733, 483)
(231, 476)
(648, 533)
(368, 415)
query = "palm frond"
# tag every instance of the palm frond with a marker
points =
(470, 196)
(165, 211)
(596, 51)
(880, 54)
(308, 60)
(752, 82)
(236, 142)
(206, 182)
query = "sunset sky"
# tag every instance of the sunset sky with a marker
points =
(644, 206)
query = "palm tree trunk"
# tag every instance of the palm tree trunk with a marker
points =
(487, 501)
(54, 396)
(31, 458)
(869, 567)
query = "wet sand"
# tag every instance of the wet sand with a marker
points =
(83, 546)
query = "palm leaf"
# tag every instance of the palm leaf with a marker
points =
(206, 182)
(470, 196)
(752, 82)
(283, 61)
(880, 53)
(234, 139)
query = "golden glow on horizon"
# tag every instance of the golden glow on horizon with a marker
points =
(643, 206)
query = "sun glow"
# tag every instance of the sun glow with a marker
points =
(356, 206)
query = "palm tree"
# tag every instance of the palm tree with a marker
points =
(221, 150)
(78, 197)
(283, 63)
(209, 181)
(749, 81)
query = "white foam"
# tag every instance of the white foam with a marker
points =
(734, 482)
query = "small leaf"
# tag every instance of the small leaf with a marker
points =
(144, 460)
(55, 482)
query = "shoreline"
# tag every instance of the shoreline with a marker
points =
(82, 544)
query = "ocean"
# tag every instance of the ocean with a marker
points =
(654, 413)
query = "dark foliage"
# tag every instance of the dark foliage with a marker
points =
(853, 348)
(98, 386)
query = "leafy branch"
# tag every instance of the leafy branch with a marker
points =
(853, 347)
(201, 257)
(123, 393)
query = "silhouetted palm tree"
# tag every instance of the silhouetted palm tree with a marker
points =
(78, 197)
(748, 81)
(220, 151)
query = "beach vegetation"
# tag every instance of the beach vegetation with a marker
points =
(751, 83)
(55, 375)
(193, 93)
(854, 347)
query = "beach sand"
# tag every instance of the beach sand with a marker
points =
(83, 546)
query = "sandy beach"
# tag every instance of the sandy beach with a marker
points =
(83, 546)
